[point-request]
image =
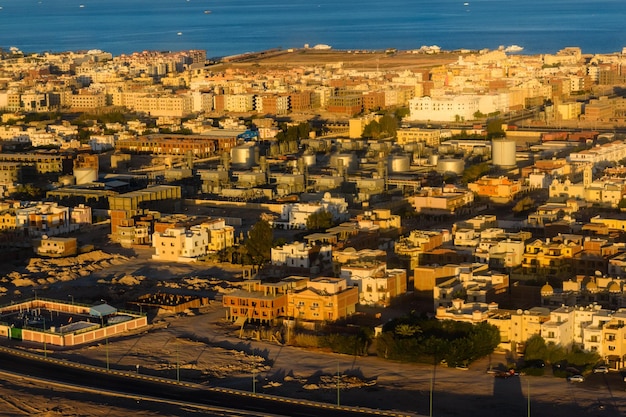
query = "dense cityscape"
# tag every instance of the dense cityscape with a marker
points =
(456, 216)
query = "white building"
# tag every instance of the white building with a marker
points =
(100, 143)
(377, 284)
(47, 219)
(294, 216)
(180, 245)
(302, 255)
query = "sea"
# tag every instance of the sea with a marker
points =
(230, 27)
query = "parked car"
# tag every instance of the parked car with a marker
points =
(576, 378)
(602, 369)
(462, 367)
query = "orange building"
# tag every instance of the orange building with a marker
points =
(319, 299)
(497, 189)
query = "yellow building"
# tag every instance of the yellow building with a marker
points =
(56, 247)
(258, 301)
(617, 224)
(516, 327)
(357, 124)
(614, 340)
(323, 299)
(221, 235)
(497, 189)
(8, 220)
(319, 299)
(551, 258)
(430, 137)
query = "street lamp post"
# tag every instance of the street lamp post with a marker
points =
(254, 381)
(528, 395)
(338, 389)
(72, 298)
(106, 342)
(177, 363)
(45, 350)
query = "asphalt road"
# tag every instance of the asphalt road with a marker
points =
(141, 386)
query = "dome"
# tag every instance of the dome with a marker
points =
(547, 290)
(591, 287)
(614, 287)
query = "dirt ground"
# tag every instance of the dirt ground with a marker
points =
(363, 60)
(201, 347)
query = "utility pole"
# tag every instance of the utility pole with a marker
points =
(528, 394)
(338, 389)
(177, 362)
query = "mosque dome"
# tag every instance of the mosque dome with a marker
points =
(614, 287)
(547, 290)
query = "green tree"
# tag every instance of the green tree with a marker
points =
(535, 348)
(319, 220)
(407, 330)
(27, 192)
(494, 129)
(259, 242)
(524, 204)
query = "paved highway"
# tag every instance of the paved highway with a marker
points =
(157, 389)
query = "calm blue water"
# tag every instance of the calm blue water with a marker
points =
(237, 26)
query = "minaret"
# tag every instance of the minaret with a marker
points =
(587, 176)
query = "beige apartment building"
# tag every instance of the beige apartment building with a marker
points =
(431, 137)
(179, 244)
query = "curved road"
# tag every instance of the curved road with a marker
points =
(158, 389)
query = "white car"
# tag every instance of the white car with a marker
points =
(576, 378)
(601, 370)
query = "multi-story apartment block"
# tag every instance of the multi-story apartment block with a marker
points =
(551, 258)
(472, 282)
(316, 300)
(501, 250)
(180, 245)
(499, 189)
(315, 258)
(264, 302)
(323, 299)
(221, 235)
(444, 200)
(516, 327)
(445, 109)
(85, 100)
(377, 285)
(609, 152)
(44, 219)
(42, 163)
(431, 137)
(56, 247)
(419, 242)
(200, 146)
(295, 215)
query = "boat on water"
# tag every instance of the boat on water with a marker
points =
(466, 4)
(207, 12)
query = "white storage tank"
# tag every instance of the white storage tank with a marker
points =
(433, 159)
(85, 175)
(346, 160)
(398, 163)
(450, 166)
(309, 159)
(244, 156)
(503, 152)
